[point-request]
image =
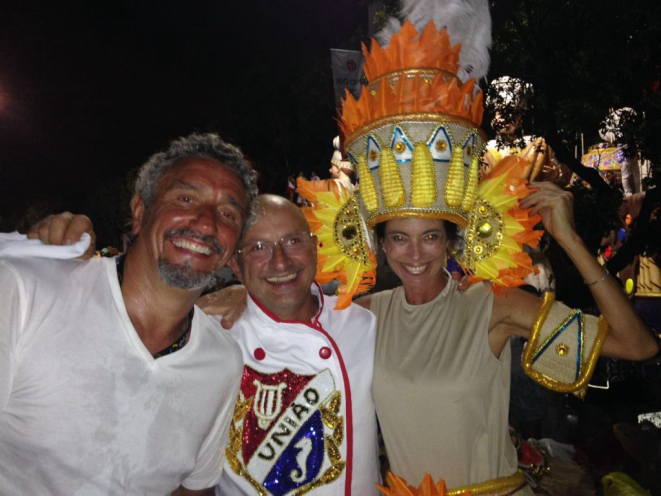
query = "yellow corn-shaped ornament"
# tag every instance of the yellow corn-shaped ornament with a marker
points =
(471, 187)
(454, 186)
(392, 186)
(367, 188)
(423, 177)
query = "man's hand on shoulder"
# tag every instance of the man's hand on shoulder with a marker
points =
(229, 302)
(64, 229)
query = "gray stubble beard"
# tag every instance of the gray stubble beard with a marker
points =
(184, 276)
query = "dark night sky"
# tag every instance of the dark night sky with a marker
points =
(88, 90)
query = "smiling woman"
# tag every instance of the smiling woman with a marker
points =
(442, 359)
(415, 247)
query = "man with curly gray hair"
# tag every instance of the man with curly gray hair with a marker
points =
(111, 381)
(195, 145)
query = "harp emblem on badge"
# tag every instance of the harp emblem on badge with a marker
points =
(267, 403)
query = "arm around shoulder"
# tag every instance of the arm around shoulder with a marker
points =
(229, 302)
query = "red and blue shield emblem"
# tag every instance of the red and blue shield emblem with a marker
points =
(286, 431)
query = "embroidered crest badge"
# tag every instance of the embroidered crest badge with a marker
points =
(286, 432)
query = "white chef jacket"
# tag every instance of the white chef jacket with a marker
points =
(304, 420)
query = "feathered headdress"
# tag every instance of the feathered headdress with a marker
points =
(414, 134)
(414, 139)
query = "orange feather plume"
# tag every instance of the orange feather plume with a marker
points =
(399, 487)
(434, 88)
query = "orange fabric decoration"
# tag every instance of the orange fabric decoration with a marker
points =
(399, 487)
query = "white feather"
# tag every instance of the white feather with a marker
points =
(392, 26)
(468, 22)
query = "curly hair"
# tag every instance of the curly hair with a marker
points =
(195, 145)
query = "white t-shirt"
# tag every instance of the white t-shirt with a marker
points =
(84, 408)
(304, 383)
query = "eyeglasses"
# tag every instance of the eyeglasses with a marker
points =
(262, 251)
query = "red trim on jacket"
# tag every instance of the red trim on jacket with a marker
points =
(316, 325)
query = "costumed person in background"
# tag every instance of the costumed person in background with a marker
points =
(341, 170)
(611, 131)
(441, 376)
(291, 187)
(508, 100)
(616, 157)
(621, 384)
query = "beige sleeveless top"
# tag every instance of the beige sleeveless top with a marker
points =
(441, 396)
